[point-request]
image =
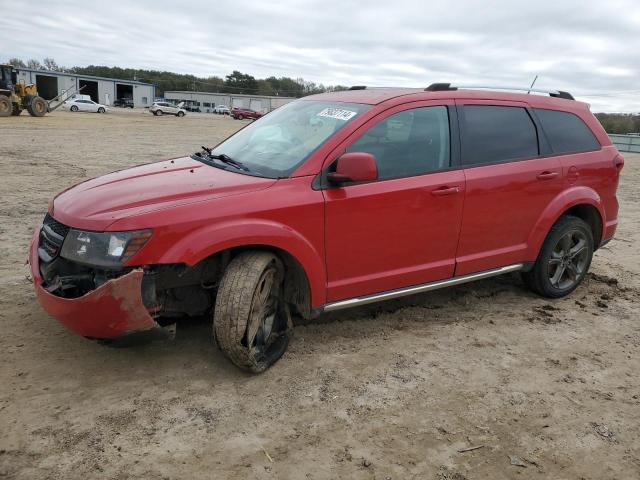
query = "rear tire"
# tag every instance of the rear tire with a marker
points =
(6, 107)
(252, 322)
(37, 107)
(564, 259)
(159, 113)
(180, 114)
(100, 110)
(240, 117)
(74, 108)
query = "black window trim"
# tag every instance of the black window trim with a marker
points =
(544, 147)
(552, 153)
(320, 182)
(456, 127)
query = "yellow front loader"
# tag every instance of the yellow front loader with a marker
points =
(15, 97)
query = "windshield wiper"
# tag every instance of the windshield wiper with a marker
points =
(224, 158)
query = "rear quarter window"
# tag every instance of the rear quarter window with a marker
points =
(566, 132)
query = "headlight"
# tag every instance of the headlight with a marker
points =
(109, 249)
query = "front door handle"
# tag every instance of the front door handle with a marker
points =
(442, 191)
(546, 175)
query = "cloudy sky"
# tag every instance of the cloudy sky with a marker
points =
(588, 47)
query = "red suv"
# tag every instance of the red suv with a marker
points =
(329, 202)
(240, 113)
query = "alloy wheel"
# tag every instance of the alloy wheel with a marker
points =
(568, 261)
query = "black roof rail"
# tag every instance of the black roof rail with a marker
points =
(439, 87)
(358, 87)
(561, 94)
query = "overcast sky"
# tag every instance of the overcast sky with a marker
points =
(588, 47)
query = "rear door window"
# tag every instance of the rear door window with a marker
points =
(566, 132)
(492, 134)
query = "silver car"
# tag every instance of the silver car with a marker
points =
(160, 108)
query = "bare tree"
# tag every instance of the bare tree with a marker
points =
(50, 64)
(16, 62)
(34, 64)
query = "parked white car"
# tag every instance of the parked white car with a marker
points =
(160, 108)
(83, 105)
(222, 110)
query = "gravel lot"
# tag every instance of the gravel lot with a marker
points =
(396, 390)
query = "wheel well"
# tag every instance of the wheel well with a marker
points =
(182, 286)
(591, 216)
(296, 287)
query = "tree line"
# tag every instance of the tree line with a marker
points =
(620, 122)
(235, 82)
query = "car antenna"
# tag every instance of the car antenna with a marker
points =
(532, 84)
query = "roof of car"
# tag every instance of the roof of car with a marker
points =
(376, 95)
(371, 96)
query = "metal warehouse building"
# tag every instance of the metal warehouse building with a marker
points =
(100, 89)
(207, 101)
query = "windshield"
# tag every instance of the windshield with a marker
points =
(279, 142)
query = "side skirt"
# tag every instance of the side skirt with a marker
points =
(425, 287)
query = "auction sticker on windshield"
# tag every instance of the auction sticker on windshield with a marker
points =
(337, 113)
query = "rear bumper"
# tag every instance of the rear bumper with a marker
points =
(112, 310)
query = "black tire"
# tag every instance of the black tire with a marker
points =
(252, 322)
(564, 259)
(240, 117)
(6, 107)
(74, 108)
(159, 113)
(100, 110)
(180, 114)
(37, 107)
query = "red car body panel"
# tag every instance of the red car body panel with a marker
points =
(128, 194)
(396, 218)
(352, 241)
(502, 203)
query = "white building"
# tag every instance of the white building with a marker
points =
(207, 101)
(100, 89)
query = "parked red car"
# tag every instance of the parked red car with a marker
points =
(329, 202)
(241, 113)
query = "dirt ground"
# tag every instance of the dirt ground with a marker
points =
(396, 390)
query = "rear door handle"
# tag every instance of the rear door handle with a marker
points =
(442, 191)
(547, 175)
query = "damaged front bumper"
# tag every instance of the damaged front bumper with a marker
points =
(113, 310)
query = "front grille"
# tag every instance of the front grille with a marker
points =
(52, 236)
(56, 226)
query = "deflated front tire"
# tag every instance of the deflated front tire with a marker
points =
(252, 322)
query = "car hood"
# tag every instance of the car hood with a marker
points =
(97, 203)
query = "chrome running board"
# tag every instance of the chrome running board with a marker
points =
(425, 287)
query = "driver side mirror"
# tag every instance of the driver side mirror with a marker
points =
(354, 167)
